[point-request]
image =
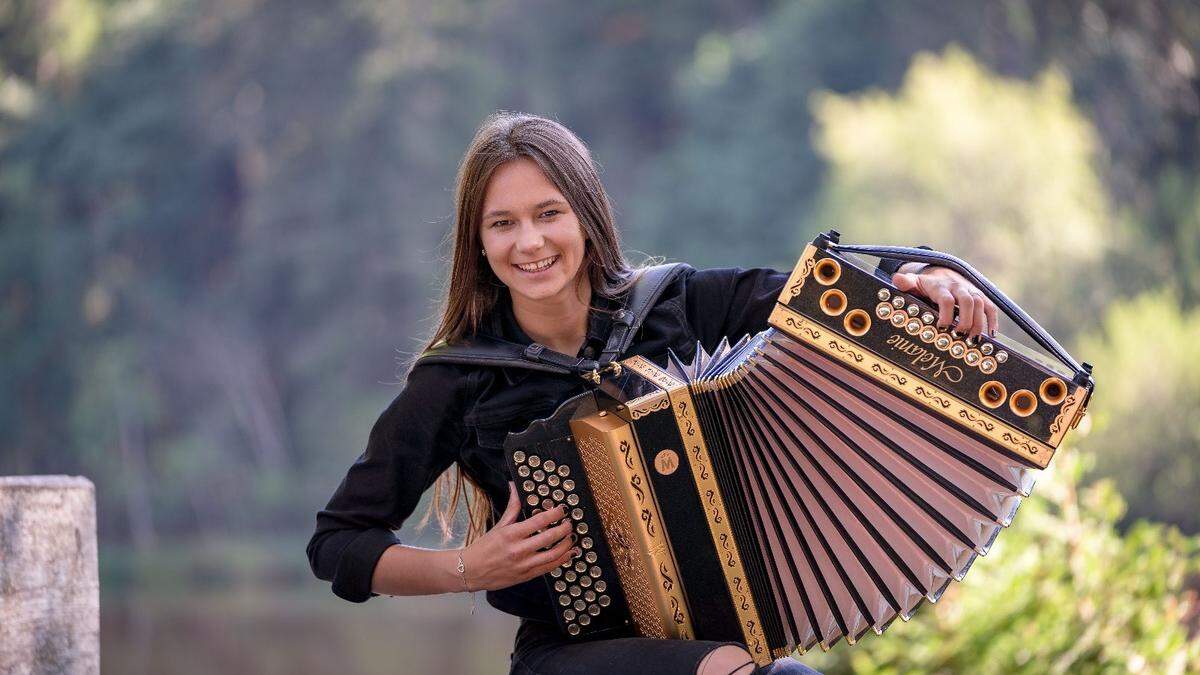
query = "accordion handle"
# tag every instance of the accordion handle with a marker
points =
(1082, 372)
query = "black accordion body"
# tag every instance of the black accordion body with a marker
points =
(812, 482)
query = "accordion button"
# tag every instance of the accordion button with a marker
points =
(1001, 356)
(560, 585)
(564, 600)
(986, 348)
(556, 572)
(928, 334)
(987, 365)
(535, 461)
(518, 457)
(543, 490)
(593, 610)
(581, 567)
(553, 480)
(569, 614)
(595, 572)
(523, 471)
(584, 619)
(590, 557)
(585, 581)
(884, 294)
(549, 465)
(942, 342)
(539, 475)
(575, 591)
(883, 310)
(604, 599)
(528, 486)
(580, 606)
(581, 528)
(913, 310)
(573, 499)
(547, 504)
(557, 495)
(570, 575)
(532, 500)
(590, 596)
(973, 357)
(564, 470)
(898, 319)
(586, 543)
(898, 302)
(913, 326)
(577, 513)
(573, 629)
(568, 484)
(958, 349)
(601, 586)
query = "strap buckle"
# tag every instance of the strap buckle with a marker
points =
(596, 373)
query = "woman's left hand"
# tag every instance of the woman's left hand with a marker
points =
(947, 288)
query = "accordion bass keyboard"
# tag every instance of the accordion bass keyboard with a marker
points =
(807, 484)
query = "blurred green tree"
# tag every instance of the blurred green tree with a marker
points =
(997, 171)
(1062, 591)
(1146, 429)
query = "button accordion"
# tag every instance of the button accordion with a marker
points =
(810, 483)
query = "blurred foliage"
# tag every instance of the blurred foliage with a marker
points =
(1146, 428)
(963, 160)
(1061, 592)
(221, 227)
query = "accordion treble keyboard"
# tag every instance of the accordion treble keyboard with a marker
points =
(808, 484)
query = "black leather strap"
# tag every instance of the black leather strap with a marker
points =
(483, 350)
(1010, 308)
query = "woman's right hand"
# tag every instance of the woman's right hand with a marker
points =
(509, 553)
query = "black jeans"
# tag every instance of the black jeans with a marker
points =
(540, 649)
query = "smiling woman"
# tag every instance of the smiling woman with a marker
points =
(537, 259)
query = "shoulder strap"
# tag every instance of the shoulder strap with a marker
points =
(483, 350)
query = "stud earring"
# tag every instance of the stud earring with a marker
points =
(483, 253)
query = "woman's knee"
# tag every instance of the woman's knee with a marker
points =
(726, 660)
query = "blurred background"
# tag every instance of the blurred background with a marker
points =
(221, 227)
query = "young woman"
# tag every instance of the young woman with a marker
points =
(537, 258)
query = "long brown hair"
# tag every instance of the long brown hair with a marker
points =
(472, 289)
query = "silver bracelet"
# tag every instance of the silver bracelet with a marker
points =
(462, 572)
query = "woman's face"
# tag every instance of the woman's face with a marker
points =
(531, 236)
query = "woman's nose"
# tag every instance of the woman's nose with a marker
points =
(529, 238)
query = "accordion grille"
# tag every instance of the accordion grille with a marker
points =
(618, 528)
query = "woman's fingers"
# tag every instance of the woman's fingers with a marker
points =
(514, 506)
(548, 537)
(539, 521)
(547, 560)
(993, 320)
(980, 325)
(966, 308)
(945, 303)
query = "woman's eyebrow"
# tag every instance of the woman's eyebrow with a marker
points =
(540, 205)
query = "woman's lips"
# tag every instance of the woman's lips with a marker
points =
(538, 266)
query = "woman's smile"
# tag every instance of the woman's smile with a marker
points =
(537, 266)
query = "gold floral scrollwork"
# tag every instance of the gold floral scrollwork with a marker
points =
(798, 276)
(1068, 406)
(1024, 445)
(889, 374)
(979, 421)
(931, 396)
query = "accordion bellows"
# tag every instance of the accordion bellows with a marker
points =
(810, 483)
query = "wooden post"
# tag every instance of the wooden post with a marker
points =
(49, 584)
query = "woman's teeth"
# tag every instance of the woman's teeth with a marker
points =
(539, 265)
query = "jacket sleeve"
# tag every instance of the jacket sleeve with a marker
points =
(732, 302)
(416, 438)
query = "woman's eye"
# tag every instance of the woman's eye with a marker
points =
(499, 223)
(550, 213)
